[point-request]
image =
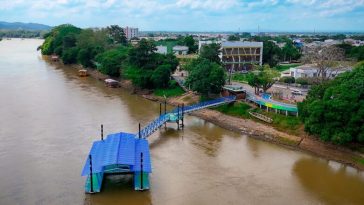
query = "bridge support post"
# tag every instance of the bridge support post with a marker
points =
(183, 115)
(160, 109)
(91, 182)
(102, 132)
(165, 112)
(178, 117)
(139, 132)
(286, 113)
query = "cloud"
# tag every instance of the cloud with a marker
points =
(189, 14)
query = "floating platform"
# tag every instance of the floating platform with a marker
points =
(126, 153)
(120, 153)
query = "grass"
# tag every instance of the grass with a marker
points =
(281, 68)
(359, 160)
(238, 109)
(239, 77)
(290, 124)
(169, 92)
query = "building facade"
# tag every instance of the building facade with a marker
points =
(237, 55)
(311, 71)
(161, 50)
(131, 32)
(180, 50)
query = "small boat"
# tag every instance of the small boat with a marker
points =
(82, 73)
(112, 83)
(55, 58)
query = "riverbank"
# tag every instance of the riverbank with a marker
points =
(249, 127)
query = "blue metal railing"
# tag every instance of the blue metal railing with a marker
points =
(158, 122)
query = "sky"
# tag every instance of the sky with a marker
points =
(193, 15)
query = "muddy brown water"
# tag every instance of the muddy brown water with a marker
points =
(49, 118)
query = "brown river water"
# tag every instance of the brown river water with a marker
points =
(49, 118)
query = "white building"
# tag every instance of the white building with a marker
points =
(161, 49)
(238, 55)
(311, 71)
(131, 32)
(180, 50)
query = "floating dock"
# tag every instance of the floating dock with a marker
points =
(127, 153)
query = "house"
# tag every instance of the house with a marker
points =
(180, 50)
(311, 71)
(161, 49)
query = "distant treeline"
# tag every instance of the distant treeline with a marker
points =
(21, 34)
(108, 51)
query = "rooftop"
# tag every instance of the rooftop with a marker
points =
(180, 48)
(241, 44)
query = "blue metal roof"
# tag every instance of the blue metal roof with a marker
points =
(118, 149)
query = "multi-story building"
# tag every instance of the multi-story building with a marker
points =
(131, 32)
(237, 55)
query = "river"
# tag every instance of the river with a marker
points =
(49, 118)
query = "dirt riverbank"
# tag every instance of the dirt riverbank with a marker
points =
(251, 128)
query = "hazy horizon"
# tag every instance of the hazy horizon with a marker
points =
(194, 15)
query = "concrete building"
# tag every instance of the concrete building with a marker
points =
(237, 55)
(311, 71)
(162, 50)
(131, 32)
(180, 50)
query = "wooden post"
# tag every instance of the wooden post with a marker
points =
(92, 186)
(102, 132)
(267, 109)
(165, 106)
(160, 109)
(286, 113)
(141, 170)
(139, 132)
(165, 112)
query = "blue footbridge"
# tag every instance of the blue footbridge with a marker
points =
(128, 153)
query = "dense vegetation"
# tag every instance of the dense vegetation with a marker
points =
(108, 51)
(22, 33)
(334, 110)
(354, 52)
(263, 78)
(206, 75)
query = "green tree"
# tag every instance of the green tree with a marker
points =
(290, 52)
(69, 56)
(234, 38)
(190, 43)
(111, 61)
(334, 110)
(211, 52)
(117, 34)
(271, 53)
(142, 55)
(263, 78)
(205, 76)
(161, 76)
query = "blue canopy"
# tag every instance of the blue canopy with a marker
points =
(118, 149)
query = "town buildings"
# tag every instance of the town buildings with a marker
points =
(237, 55)
(131, 32)
(311, 71)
